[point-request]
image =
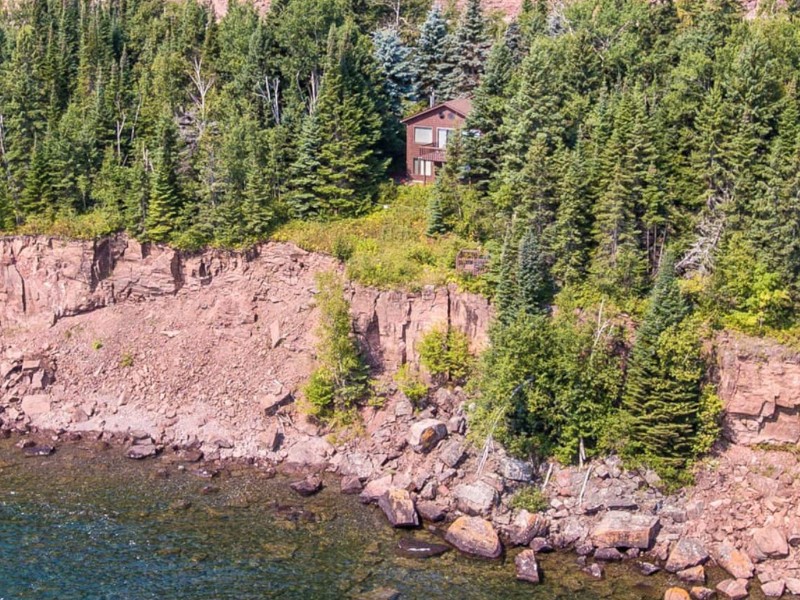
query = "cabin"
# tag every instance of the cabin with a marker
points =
(427, 134)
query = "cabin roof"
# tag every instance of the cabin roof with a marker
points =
(461, 106)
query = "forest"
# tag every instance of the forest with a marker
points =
(632, 167)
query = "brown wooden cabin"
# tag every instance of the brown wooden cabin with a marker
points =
(427, 133)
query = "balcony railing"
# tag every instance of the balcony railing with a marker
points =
(433, 153)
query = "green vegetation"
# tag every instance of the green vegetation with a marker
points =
(126, 361)
(97, 345)
(529, 498)
(387, 248)
(445, 354)
(341, 380)
(411, 384)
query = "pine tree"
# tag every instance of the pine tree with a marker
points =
(471, 48)
(661, 399)
(533, 278)
(572, 228)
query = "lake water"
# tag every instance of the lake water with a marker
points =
(86, 523)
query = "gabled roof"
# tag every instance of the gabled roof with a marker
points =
(461, 106)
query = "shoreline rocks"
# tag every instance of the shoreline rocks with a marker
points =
(475, 536)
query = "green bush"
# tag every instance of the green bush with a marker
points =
(529, 498)
(410, 384)
(341, 379)
(445, 354)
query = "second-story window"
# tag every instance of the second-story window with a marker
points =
(423, 135)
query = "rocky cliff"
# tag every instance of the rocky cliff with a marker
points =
(760, 389)
(185, 346)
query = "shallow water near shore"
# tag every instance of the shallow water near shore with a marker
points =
(87, 523)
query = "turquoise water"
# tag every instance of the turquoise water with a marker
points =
(85, 523)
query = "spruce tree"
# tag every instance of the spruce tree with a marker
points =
(164, 204)
(471, 48)
(394, 65)
(533, 278)
(435, 215)
(661, 398)
(429, 58)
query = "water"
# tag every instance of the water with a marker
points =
(85, 523)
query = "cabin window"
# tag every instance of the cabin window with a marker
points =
(444, 136)
(423, 167)
(423, 135)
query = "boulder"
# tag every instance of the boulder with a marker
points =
(594, 570)
(311, 453)
(608, 555)
(380, 594)
(693, 575)
(476, 536)
(734, 561)
(676, 593)
(792, 585)
(687, 553)
(424, 435)
(516, 470)
(39, 450)
(647, 568)
(452, 453)
(476, 498)
(769, 542)
(526, 526)
(431, 511)
(773, 589)
(619, 529)
(527, 567)
(35, 405)
(141, 451)
(733, 589)
(272, 403)
(308, 486)
(414, 548)
(351, 485)
(541, 545)
(702, 593)
(399, 508)
(375, 489)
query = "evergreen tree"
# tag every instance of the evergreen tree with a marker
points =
(164, 204)
(394, 65)
(430, 65)
(661, 401)
(435, 216)
(533, 277)
(471, 48)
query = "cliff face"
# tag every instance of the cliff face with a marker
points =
(760, 389)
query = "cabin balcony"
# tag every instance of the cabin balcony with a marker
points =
(433, 153)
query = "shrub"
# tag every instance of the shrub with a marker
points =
(126, 361)
(529, 498)
(410, 384)
(445, 354)
(340, 381)
(97, 344)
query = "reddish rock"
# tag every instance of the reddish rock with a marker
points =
(527, 567)
(769, 542)
(702, 593)
(424, 435)
(36, 405)
(792, 585)
(773, 589)
(431, 511)
(476, 498)
(608, 555)
(692, 575)
(375, 489)
(308, 486)
(526, 526)
(351, 485)
(141, 451)
(399, 508)
(594, 570)
(733, 589)
(734, 561)
(619, 529)
(676, 593)
(476, 536)
(687, 552)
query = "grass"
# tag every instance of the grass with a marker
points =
(68, 225)
(529, 498)
(388, 247)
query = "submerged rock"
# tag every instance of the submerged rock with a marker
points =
(141, 451)
(308, 486)
(527, 567)
(42, 450)
(415, 548)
